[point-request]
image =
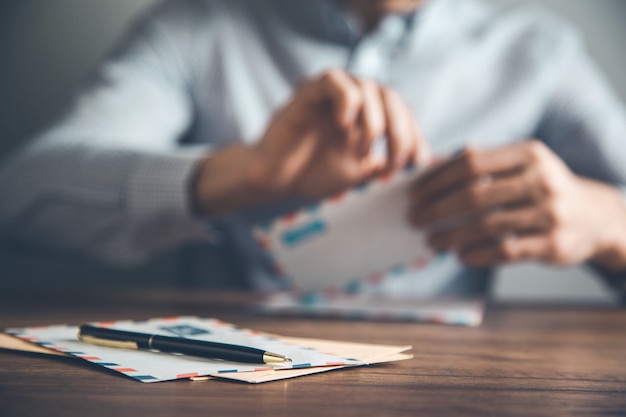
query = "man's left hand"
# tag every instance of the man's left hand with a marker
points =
(519, 203)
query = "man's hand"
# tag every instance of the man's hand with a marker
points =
(318, 144)
(520, 203)
(321, 141)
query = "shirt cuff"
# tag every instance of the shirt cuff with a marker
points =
(622, 189)
(158, 200)
(616, 280)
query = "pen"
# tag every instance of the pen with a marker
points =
(133, 340)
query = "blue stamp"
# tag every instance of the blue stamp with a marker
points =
(302, 233)
(184, 330)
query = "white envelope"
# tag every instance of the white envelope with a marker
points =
(355, 236)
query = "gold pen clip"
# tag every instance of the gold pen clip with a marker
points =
(108, 343)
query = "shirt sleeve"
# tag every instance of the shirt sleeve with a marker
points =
(110, 178)
(585, 124)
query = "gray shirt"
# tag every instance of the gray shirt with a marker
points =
(111, 178)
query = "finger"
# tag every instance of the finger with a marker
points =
(372, 116)
(408, 146)
(399, 130)
(510, 250)
(421, 152)
(416, 149)
(344, 94)
(471, 164)
(493, 227)
(479, 196)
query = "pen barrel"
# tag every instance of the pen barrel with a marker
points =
(207, 349)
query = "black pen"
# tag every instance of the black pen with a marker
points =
(132, 340)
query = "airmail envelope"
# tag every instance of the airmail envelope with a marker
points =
(347, 238)
(361, 352)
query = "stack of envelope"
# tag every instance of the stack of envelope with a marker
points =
(308, 356)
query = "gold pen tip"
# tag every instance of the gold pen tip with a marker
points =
(274, 358)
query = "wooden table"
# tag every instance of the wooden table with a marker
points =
(523, 361)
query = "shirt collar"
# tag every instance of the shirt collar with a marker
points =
(331, 21)
(344, 26)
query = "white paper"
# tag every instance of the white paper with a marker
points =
(458, 312)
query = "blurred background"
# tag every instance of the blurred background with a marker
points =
(47, 47)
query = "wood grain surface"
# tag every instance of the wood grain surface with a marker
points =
(524, 361)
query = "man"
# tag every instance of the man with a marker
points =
(287, 97)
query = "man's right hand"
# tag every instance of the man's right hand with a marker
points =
(320, 143)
